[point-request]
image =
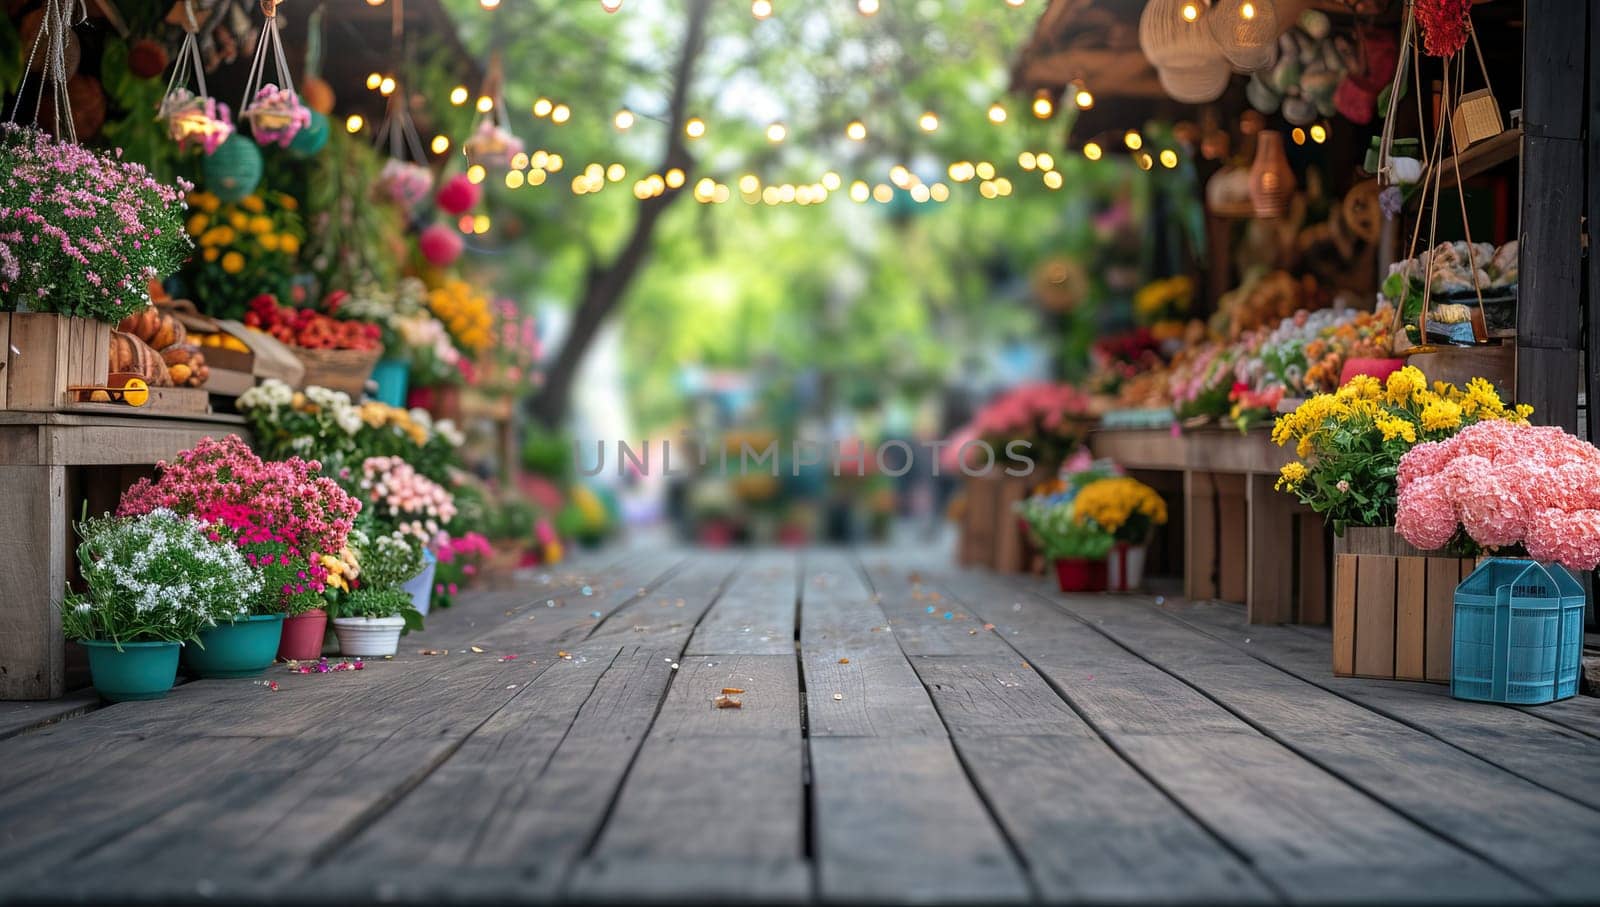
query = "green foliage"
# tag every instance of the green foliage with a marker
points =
(1059, 535)
(155, 577)
(548, 454)
(375, 603)
(357, 240)
(388, 560)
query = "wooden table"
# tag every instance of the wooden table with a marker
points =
(51, 466)
(1243, 541)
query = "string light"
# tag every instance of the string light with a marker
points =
(560, 114)
(1002, 185)
(386, 87)
(1083, 98)
(616, 173)
(929, 122)
(514, 179)
(1092, 151)
(537, 176)
(1044, 106)
(856, 131)
(674, 178)
(1046, 161)
(749, 184)
(539, 158)
(465, 223)
(458, 95)
(542, 107)
(1247, 11)
(489, 4)
(761, 9)
(694, 128)
(1299, 136)
(987, 189)
(860, 192)
(476, 173)
(1145, 163)
(1319, 132)
(984, 170)
(1015, 4)
(919, 193)
(485, 103)
(867, 7)
(939, 192)
(997, 114)
(831, 181)
(1190, 12)
(374, 2)
(961, 171)
(1053, 179)
(705, 189)
(353, 123)
(1026, 160)
(374, 79)
(1169, 158)
(777, 132)
(623, 120)
(721, 194)
(554, 163)
(900, 176)
(611, 6)
(519, 161)
(882, 194)
(441, 144)
(1133, 140)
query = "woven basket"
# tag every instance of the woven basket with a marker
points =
(340, 370)
(1477, 117)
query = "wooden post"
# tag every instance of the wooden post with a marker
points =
(1269, 589)
(1550, 336)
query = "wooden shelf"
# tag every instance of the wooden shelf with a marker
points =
(1481, 157)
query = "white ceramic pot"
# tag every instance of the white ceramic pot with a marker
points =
(420, 587)
(368, 636)
(1125, 567)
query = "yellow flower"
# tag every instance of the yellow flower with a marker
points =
(260, 224)
(198, 223)
(238, 219)
(210, 254)
(289, 244)
(205, 201)
(233, 263)
(1403, 383)
(1397, 428)
(268, 241)
(1290, 475)
(288, 202)
(1522, 412)
(225, 235)
(1441, 415)
(253, 204)
(1364, 387)
(1305, 448)
(1111, 503)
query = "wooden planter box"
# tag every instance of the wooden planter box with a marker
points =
(991, 534)
(1393, 607)
(42, 355)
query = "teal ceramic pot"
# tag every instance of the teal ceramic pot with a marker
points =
(243, 648)
(139, 670)
(392, 376)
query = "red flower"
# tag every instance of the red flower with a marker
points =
(1445, 25)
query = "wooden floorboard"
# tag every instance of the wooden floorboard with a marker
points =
(906, 733)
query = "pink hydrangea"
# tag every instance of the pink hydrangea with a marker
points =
(413, 503)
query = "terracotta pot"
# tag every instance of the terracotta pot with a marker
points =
(1272, 183)
(302, 636)
(1080, 574)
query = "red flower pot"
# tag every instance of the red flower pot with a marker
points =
(1077, 574)
(1380, 369)
(302, 636)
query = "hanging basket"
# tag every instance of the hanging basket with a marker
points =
(194, 119)
(271, 106)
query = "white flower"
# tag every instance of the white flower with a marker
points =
(447, 430)
(349, 419)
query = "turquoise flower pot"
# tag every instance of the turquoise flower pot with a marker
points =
(139, 670)
(392, 376)
(243, 648)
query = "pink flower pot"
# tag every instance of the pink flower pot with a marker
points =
(1077, 574)
(1380, 369)
(302, 636)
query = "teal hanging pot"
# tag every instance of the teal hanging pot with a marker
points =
(136, 670)
(243, 648)
(311, 138)
(234, 170)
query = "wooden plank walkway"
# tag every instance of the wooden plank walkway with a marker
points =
(907, 732)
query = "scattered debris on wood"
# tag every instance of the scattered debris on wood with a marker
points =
(727, 702)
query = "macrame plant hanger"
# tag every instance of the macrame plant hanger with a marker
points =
(193, 116)
(407, 178)
(272, 108)
(52, 38)
(491, 142)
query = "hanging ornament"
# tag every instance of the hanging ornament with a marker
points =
(440, 245)
(233, 170)
(1272, 183)
(272, 108)
(1199, 84)
(458, 195)
(1174, 33)
(1445, 25)
(1246, 31)
(313, 138)
(315, 90)
(147, 58)
(492, 143)
(193, 118)
(406, 178)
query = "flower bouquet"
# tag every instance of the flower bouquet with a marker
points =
(195, 120)
(1050, 419)
(376, 607)
(1128, 510)
(154, 582)
(1076, 548)
(275, 115)
(404, 500)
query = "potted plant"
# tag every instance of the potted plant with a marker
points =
(1129, 511)
(1078, 549)
(154, 582)
(370, 618)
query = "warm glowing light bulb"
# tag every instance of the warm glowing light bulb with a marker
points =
(624, 119)
(777, 132)
(353, 123)
(489, 4)
(554, 163)
(761, 9)
(1299, 136)
(1319, 133)
(749, 183)
(542, 107)
(987, 189)
(867, 7)
(519, 161)
(900, 176)
(919, 193)
(928, 121)
(476, 173)
(1092, 151)
(1247, 11)
(441, 144)
(1043, 106)
(515, 179)
(374, 2)
(1133, 140)
(831, 181)
(1169, 158)
(694, 128)
(860, 191)
(882, 194)
(386, 86)
(616, 173)
(1027, 161)
(856, 131)
(997, 114)
(537, 176)
(984, 170)
(1053, 179)
(611, 6)
(485, 103)
(458, 95)
(560, 114)
(1083, 99)
(674, 178)
(1002, 185)
(1190, 12)
(1046, 161)
(374, 79)
(1145, 162)
(939, 192)
(480, 224)
(1015, 3)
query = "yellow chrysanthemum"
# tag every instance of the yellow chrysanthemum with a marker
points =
(225, 235)
(260, 224)
(1290, 475)
(253, 204)
(1441, 415)
(1397, 428)
(288, 202)
(205, 201)
(1403, 383)
(197, 224)
(1522, 412)
(238, 220)
(268, 241)
(211, 254)
(288, 244)
(233, 263)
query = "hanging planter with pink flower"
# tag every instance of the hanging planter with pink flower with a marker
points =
(271, 107)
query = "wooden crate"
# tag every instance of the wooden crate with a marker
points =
(45, 354)
(1393, 607)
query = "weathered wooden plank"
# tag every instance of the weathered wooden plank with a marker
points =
(866, 696)
(923, 619)
(1200, 536)
(1233, 536)
(895, 820)
(1410, 619)
(668, 615)
(1269, 592)
(17, 717)
(1374, 618)
(995, 696)
(33, 547)
(1345, 592)
(756, 614)
(1314, 561)
(769, 701)
(1439, 617)
(839, 616)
